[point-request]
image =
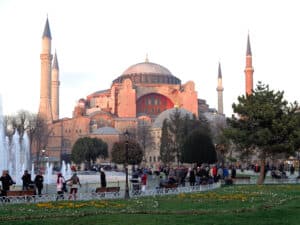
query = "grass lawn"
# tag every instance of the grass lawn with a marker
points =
(251, 204)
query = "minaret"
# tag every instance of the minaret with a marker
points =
(220, 90)
(45, 91)
(249, 69)
(55, 89)
(147, 59)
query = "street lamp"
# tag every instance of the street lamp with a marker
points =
(45, 158)
(298, 154)
(126, 134)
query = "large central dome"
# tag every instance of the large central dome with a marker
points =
(147, 68)
(148, 72)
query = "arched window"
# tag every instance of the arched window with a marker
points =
(153, 104)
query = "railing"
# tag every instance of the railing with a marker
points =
(108, 195)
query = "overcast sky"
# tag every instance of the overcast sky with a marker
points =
(96, 41)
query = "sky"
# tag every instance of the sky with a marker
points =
(96, 41)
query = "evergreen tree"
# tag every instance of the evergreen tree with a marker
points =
(175, 127)
(135, 153)
(88, 149)
(266, 125)
(199, 148)
(166, 147)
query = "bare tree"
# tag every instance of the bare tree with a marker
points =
(39, 132)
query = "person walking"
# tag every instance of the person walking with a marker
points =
(192, 177)
(102, 178)
(75, 184)
(26, 178)
(6, 181)
(59, 186)
(38, 181)
(144, 181)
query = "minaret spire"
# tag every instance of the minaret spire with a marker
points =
(55, 88)
(219, 71)
(220, 90)
(248, 46)
(249, 68)
(45, 111)
(55, 62)
(47, 32)
(146, 59)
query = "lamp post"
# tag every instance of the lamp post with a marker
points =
(126, 164)
(43, 158)
(298, 154)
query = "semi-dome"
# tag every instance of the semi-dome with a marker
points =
(166, 115)
(148, 72)
(147, 68)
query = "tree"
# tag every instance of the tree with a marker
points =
(39, 133)
(144, 136)
(88, 149)
(166, 148)
(175, 127)
(199, 148)
(37, 129)
(135, 153)
(266, 125)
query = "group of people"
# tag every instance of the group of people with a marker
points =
(62, 183)
(139, 180)
(203, 174)
(27, 183)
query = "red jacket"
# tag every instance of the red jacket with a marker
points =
(144, 179)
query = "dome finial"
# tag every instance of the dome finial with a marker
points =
(146, 59)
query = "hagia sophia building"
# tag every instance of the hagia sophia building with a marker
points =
(145, 93)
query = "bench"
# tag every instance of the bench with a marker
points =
(21, 193)
(27, 195)
(103, 190)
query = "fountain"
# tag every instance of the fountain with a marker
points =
(48, 173)
(15, 154)
(66, 170)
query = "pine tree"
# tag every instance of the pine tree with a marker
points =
(267, 125)
(166, 150)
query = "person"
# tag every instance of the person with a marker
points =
(292, 169)
(38, 181)
(214, 173)
(144, 181)
(102, 178)
(74, 183)
(26, 178)
(192, 177)
(6, 181)
(59, 186)
(233, 172)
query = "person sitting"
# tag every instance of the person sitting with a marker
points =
(168, 182)
(276, 174)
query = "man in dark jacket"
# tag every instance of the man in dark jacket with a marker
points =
(26, 178)
(7, 181)
(102, 178)
(38, 181)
